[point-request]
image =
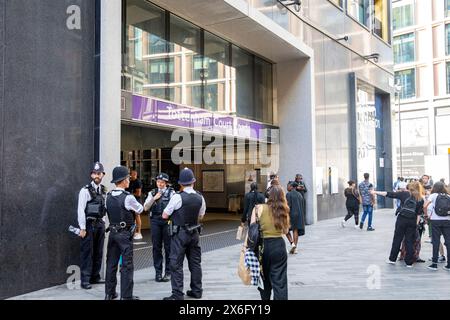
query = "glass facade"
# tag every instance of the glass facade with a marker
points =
(170, 58)
(447, 8)
(381, 26)
(407, 79)
(404, 49)
(360, 10)
(403, 16)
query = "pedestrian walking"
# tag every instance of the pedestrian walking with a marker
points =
(352, 203)
(251, 199)
(295, 204)
(274, 222)
(367, 200)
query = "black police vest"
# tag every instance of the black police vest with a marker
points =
(189, 211)
(95, 208)
(159, 206)
(117, 213)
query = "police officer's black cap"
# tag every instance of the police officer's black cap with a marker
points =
(186, 177)
(163, 176)
(98, 168)
(120, 174)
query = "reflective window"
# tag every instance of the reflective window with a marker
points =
(407, 79)
(447, 39)
(381, 25)
(360, 10)
(448, 77)
(447, 8)
(180, 62)
(402, 16)
(404, 48)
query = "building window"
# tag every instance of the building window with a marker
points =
(339, 3)
(360, 10)
(448, 76)
(447, 39)
(404, 48)
(403, 16)
(407, 79)
(381, 25)
(447, 8)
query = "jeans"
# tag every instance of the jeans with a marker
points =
(368, 210)
(440, 227)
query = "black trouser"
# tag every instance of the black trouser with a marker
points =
(404, 228)
(160, 236)
(440, 227)
(352, 212)
(92, 251)
(120, 244)
(274, 264)
(185, 243)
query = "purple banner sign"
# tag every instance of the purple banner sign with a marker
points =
(163, 112)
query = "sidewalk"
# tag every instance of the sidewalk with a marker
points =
(332, 263)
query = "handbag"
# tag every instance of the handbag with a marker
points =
(240, 233)
(254, 233)
(243, 271)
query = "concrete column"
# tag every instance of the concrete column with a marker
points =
(296, 118)
(110, 92)
(110, 85)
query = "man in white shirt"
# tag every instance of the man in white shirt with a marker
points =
(121, 207)
(91, 211)
(185, 209)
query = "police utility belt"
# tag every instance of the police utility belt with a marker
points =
(191, 229)
(121, 227)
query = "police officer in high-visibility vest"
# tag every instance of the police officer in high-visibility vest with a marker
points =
(91, 210)
(185, 209)
(121, 207)
(156, 202)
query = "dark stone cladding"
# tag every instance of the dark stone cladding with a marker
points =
(47, 84)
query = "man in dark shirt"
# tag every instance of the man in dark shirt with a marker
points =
(135, 189)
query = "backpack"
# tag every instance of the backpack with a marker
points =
(408, 210)
(442, 205)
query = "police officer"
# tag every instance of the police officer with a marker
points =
(121, 206)
(185, 209)
(91, 210)
(156, 202)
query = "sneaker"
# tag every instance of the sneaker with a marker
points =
(433, 267)
(390, 262)
(296, 250)
(409, 265)
(138, 236)
(370, 229)
(420, 261)
(361, 225)
(441, 259)
(356, 226)
(447, 267)
(343, 224)
(293, 247)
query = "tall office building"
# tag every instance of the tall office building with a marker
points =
(421, 46)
